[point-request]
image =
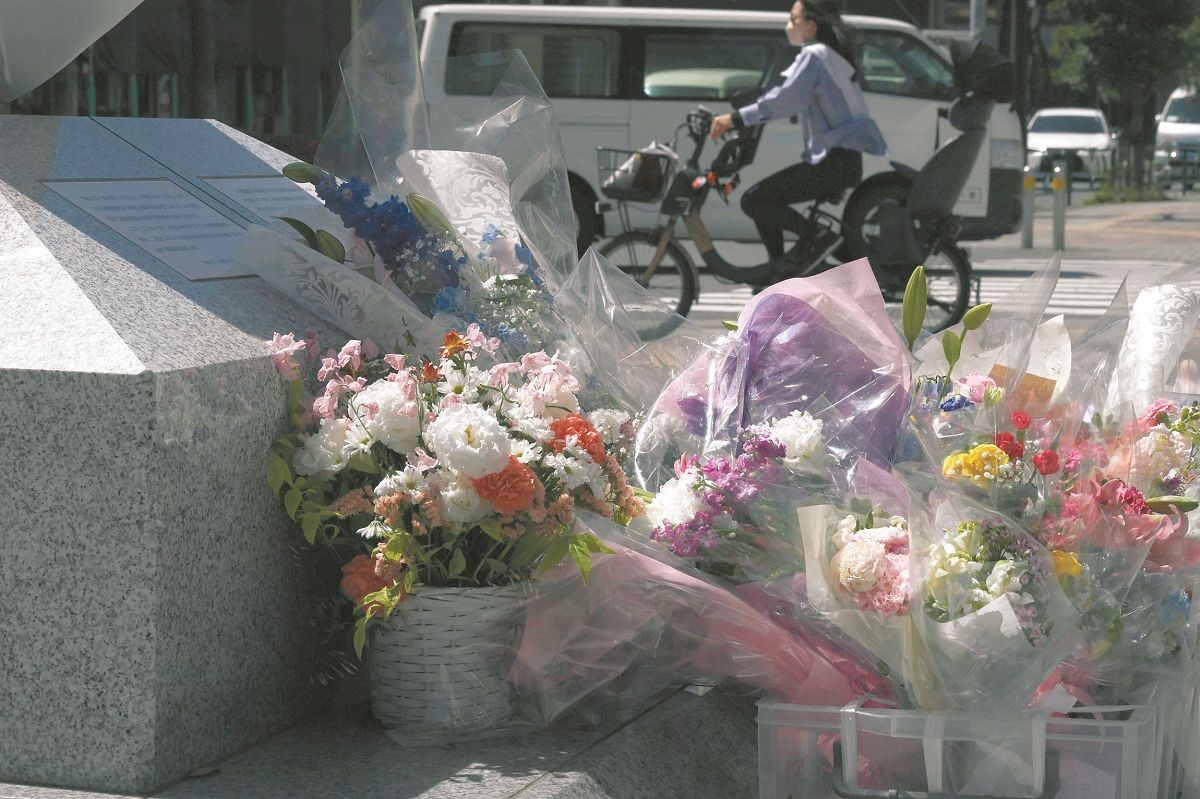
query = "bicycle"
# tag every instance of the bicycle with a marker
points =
(655, 258)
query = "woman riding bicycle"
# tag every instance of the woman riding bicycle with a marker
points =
(820, 86)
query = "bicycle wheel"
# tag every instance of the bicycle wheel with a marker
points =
(670, 290)
(948, 278)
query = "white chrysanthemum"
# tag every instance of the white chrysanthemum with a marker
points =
(410, 481)
(526, 452)
(524, 421)
(608, 422)
(574, 472)
(459, 500)
(675, 503)
(326, 450)
(470, 440)
(800, 434)
(465, 384)
(395, 421)
(859, 565)
(374, 530)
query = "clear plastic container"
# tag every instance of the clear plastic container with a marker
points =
(1098, 753)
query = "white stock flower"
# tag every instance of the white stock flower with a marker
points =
(459, 500)
(675, 502)
(327, 450)
(800, 434)
(470, 440)
(859, 565)
(384, 410)
(608, 422)
(1005, 578)
(1157, 453)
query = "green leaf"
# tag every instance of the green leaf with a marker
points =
(582, 558)
(329, 246)
(300, 172)
(278, 473)
(307, 233)
(1165, 504)
(360, 636)
(729, 325)
(309, 524)
(291, 501)
(431, 217)
(974, 318)
(492, 528)
(498, 566)
(363, 462)
(555, 553)
(458, 563)
(916, 304)
(594, 544)
(394, 548)
(952, 346)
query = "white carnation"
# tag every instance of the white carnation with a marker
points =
(459, 500)
(470, 440)
(327, 450)
(859, 565)
(395, 421)
(675, 503)
(800, 435)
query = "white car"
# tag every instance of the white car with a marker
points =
(1177, 140)
(1081, 136)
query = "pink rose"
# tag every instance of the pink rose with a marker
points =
(975, 386)
(1149, 417)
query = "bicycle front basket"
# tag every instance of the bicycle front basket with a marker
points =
(633, 176)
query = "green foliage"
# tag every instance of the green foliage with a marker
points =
(301, 172)
(974, 318)
(916, 305)
(431, 217)
(725, 323)
(952, 347)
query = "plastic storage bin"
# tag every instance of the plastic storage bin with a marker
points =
(1098, 753)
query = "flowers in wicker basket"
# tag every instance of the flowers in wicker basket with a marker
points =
(461, 472)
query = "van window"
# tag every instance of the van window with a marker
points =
(706, 64)
(568, 60)
(894, 62)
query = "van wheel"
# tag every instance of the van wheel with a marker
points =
(860, 221)
(584, 206)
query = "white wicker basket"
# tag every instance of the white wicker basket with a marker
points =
(441, 660)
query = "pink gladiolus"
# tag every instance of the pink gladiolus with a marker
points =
(351, 355)
(325, 406)
(329, 368)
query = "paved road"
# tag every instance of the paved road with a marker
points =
(1143, 242)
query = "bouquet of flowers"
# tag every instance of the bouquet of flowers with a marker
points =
(464, 471)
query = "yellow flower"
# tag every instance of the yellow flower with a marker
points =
(979, 465)
(1066, 564)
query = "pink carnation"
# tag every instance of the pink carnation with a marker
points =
(889, 597)
(1149, 417)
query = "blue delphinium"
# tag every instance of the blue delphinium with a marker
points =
(955, 402)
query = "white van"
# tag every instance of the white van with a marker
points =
(621, 77)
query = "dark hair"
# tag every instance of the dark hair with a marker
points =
(832, 30)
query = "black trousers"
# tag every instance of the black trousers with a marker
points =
(769, 201)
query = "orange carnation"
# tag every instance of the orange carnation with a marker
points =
(586, 434)
(359, 579)
(510, 489)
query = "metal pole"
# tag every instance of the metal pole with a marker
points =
(1029, 184)
(1058, 185)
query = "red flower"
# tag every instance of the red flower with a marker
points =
(453, 344)
(430, 373)
(510, 489)
(1021, 420)
(1046, 461)
(1007, 442)
(359, 579)
(585, 433)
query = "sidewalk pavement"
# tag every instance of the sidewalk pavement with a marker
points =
(1167, 231)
